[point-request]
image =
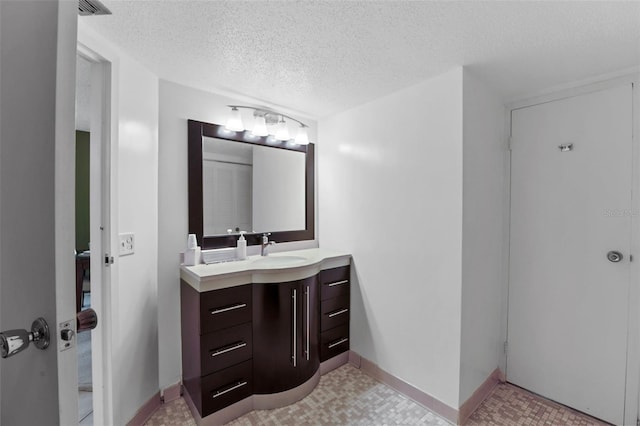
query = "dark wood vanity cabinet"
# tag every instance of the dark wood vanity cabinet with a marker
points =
(335, 311)
(285, 330)
(261, 338)
(217, 346)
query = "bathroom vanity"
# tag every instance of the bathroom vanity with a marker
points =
(255, 332)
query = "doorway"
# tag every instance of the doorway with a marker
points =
(83, 241)
(93, 115)
(570, 245)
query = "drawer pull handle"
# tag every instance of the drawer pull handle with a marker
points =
(232, 388)
(229, 349)
(230, 308)
(306, 291)
(293, 338)
(339, 342)
(338, 283)
(340, 312)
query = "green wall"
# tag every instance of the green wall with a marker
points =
(82, 191)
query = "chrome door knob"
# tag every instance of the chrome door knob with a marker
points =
(614, 256)
(15, 341)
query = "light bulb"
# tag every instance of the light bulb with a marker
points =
(234, 123)
(283, 132)
(302, 138)
(260, 126)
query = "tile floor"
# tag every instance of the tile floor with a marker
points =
(511, 405)
(347, 396)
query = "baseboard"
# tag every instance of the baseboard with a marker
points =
(355, 359)
(171, 393)
(146, 411)
(410, 391)
(479, 395)
(333, 363)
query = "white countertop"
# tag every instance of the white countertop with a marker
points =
(258, 269)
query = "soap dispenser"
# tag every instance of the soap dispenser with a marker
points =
(241, 250)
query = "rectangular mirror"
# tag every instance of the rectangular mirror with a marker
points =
(240, 182)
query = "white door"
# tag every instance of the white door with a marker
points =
(37, 56)
(571, 165)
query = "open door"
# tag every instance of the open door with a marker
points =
(37, 69)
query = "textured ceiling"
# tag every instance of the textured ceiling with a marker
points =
(321, 57)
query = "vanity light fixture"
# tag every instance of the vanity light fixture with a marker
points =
(260, 126)
(282, 134)
(235, 121)
(302, 138)
(264, 117)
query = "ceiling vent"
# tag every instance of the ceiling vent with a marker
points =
(92, 7)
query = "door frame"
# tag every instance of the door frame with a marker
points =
(632, 382)
(101, 232)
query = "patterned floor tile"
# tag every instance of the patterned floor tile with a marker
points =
(509, 405)
(172, 414)
(347, 396)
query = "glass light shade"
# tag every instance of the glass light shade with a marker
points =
(282, 134)
(260, 126)
(234, 123)
(302, 138)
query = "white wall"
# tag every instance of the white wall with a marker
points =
(484, 157)
(135, 207)
(390, 192)
(179, 103)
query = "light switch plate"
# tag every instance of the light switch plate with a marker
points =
(127, 245)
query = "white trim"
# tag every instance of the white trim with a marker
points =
(64, 210)
(101, 214)
(571, 92)
(632, 387)
(506, 240)
(550, 91)
(632, 402)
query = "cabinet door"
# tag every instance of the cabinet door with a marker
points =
(275, 339)
(308, 354)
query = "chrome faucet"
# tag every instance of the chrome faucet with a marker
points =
(265, 244)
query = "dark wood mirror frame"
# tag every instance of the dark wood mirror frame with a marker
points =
(198, 129)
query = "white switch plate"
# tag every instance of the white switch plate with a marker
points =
(126, 244)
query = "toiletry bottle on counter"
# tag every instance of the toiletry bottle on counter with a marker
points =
(192, 253)
(241, 250)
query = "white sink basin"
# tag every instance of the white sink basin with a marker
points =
(279, 260)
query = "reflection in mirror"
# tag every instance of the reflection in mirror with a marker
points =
(253, 188)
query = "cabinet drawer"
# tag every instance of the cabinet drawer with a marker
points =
(334, 312)
(224, 348)
(334, 342)
(226, 387)
(334, 282)
(225, 308)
